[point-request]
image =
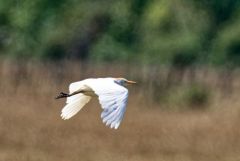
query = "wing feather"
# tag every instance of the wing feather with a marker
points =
(74, 103)
(113, 99)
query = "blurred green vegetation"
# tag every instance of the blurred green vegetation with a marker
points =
(179, 33)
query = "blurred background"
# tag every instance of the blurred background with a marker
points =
(185, 56)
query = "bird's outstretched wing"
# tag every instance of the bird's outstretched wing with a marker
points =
(113, 99)
(76, 102)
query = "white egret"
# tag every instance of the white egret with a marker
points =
(111, 93)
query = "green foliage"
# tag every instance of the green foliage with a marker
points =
(184, 59)
(197, 97)
(193, 96)
(106, 49)
(180, 33)
(225, 50)
(54, 52)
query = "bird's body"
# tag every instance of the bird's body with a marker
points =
(111, 93)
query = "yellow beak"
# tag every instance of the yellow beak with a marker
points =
(131, 82)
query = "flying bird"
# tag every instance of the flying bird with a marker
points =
(111, 93)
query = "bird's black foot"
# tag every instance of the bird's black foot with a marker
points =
(62, 95)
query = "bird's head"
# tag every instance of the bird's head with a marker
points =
(124, 82)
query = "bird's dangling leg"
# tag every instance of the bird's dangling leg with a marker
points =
(62, 95)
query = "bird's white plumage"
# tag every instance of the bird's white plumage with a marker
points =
(74, 103)
(112, 97)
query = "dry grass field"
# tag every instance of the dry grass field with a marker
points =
(31, 128)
